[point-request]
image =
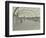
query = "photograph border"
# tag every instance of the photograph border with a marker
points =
(7, 18)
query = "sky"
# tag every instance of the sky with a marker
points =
(27, 12)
